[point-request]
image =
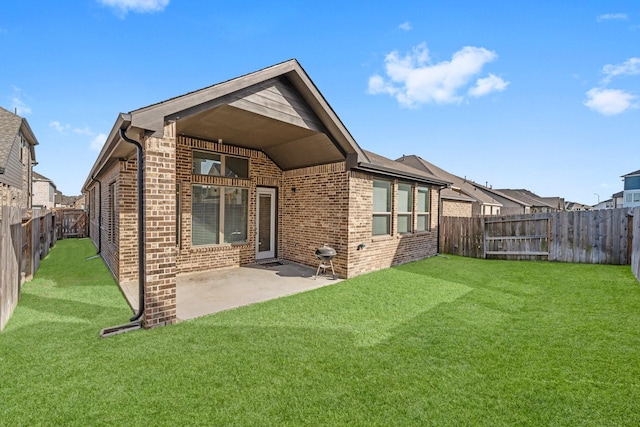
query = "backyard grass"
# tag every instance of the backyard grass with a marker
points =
(447, 341)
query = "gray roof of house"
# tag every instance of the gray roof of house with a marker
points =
(466, 187)
(384, 165)
(526, 197)
(631, 174)
(10, 125)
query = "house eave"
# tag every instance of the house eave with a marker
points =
(381, 170)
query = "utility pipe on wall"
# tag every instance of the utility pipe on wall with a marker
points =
(141, 250)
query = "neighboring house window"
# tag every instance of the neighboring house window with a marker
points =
(219, 215)
(405, 208)
(112, 211)
(207, 163)
(423, 209)
(381, 208)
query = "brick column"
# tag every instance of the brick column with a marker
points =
(160, 228)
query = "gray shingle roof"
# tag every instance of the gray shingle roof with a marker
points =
(9, 128)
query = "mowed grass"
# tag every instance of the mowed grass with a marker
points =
(444, 342)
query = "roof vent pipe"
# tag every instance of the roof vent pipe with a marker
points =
(141, 252)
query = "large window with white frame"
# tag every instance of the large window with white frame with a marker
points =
(381, 208)
(219, 215)
(405, 208)
(422, 209)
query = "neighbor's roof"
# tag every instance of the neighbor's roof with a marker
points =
(466, 187)
(631, 174)
(380, 164)
(10, 125)
(527, 197)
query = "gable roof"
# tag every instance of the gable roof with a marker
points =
(385, 166)
(460, 186)
(527, 197)
(10, 126)
(636, 173)
(277, 110)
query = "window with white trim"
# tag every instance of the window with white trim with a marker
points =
(422, 209)
(405, 208)
(219, 215)
(381, 224)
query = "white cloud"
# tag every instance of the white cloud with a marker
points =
(630, 67)
(487, 85)
(84, 131)
(609, 102)
(412, 79)
(20, 107)
(98, 141)
(612, 17)
(140, 6)
(58, 126)
(406, 26)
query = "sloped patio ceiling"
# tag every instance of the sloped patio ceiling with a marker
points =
(277, 110)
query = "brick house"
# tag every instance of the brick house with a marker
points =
(44, 192)
(255, 168)
(17, 157)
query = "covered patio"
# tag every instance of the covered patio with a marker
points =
(207, 292)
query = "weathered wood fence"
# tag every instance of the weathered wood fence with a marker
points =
(635, 252)
(71, 223)
(23, 243)
(596, 237)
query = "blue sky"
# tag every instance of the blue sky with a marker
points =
(542, 95)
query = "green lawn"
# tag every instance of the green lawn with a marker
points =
(444, 342)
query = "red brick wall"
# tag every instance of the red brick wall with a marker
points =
(315, 203)
(384, 251)
(262, 173)
(160, 229)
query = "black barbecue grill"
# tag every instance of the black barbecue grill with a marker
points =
(325, 254)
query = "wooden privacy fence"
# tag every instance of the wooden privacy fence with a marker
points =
(23, 243)
(596, 237)
(71, 223)
(635, 251)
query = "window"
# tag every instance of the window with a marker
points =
(628, 197)
(405, 208)
(636, 197)
(381, 208)
(423, 209)
(219, 215)
(207, 163)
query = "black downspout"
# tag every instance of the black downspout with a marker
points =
(99, 214)
(141, 251)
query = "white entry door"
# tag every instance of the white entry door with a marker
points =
(266, 223)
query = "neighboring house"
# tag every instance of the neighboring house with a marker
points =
(605, 204)
(44, 192)
(256, 168)
(17, 158)
(63, 201)
(618, 199)
(631, 189)
(510, 205)
(574, 206)
(536, 203)
(462, 198)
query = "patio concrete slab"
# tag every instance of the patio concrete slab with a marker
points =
(207, 292)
